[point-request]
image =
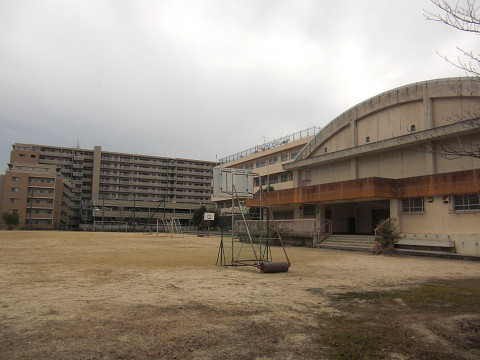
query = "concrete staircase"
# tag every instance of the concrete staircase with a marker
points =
(348, 242)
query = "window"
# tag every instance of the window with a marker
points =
(280, 215)
(413, 205)
(286, 177)
(13, 200)
(367, 139)
(308, 211)
(260, 163)
(273, 160)
(284, 157)
(15, 178)
(22, 155)
(412, 128)
(467, 202)
(293, 154)
(273, 179)
(15, 189)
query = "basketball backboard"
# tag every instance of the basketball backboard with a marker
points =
(228, 181)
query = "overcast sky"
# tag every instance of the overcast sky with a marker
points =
(203, 78)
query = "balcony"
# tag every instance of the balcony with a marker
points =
(150, 177)
(109, 166)
(153, 162)
(195, 166)
(50, 153)
(49, 161)
(151, 169)
(124, 160)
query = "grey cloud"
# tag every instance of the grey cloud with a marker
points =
(201, 78)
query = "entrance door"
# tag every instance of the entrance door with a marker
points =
(351, 225)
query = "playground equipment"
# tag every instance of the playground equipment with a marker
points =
(171, 226)
(255, 251)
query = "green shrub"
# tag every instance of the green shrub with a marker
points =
(10, 219)
(386, 235)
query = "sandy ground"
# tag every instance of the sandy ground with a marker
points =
(106, 295)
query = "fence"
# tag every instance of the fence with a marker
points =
(317, 229)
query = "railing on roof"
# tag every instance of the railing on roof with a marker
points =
(272, 144)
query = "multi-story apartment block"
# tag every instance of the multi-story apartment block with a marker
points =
(119, 186)
(39, 197)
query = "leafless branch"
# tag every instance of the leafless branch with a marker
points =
(463, 16)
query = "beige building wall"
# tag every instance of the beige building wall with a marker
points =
(2, 187)
(267, 165)
(441, 222)
(97, 160)
(37, 195)
(391, 136)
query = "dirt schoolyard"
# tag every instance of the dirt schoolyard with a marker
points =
(79, 295)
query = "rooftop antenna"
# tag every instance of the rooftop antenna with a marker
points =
(78, 143)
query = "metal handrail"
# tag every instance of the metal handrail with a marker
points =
(327, 224)
(274, 143)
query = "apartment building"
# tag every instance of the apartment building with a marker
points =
(39, 197)
(266, 161)
(115, 186)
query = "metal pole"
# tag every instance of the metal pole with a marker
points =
(260, 205)
(134, 219)
(31, 206)
(103, 212)
(232, 222)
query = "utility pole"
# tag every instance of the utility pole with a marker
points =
(103, 212)
(31, 207)
(134, 219)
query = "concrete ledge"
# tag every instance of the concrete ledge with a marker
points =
(435, 243)
(439, 254)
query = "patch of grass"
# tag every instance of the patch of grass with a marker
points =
(447, 297)
(375, 325)
(357, 338)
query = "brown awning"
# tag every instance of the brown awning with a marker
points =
(460, 182)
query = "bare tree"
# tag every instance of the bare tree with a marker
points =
(463, 15)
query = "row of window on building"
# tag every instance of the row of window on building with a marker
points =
(37, 191)
(33, 201)
(35, 179)
(465, 202)
(274, 179)
(271, 160)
